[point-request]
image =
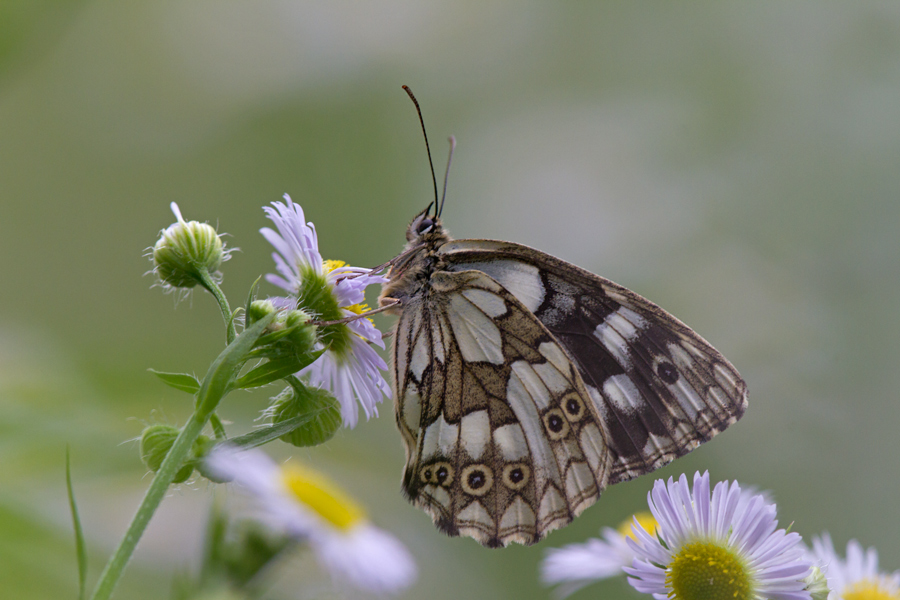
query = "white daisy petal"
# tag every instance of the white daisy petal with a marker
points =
(355, 552)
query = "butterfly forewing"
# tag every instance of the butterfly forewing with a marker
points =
(503, 440)
(659, 387)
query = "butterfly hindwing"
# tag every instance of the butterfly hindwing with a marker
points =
(503, 441)
(659, 387)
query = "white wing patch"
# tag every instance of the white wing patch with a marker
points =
(520, 279)
(622, 392)
(478, 338)
(511, 441)
(492, 304)
(475, 433)
(440, 438)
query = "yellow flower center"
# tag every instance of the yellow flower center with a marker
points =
(322, 496)
(330, 265)
(868, 589)
(706, 570)
(644, 519)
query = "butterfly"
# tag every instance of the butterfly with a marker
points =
(524, 385)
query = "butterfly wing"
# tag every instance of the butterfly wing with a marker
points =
(660, 388)
(502, 439)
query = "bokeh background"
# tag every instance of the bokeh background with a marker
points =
(737, 164)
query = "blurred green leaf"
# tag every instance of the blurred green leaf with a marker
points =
(179, 381)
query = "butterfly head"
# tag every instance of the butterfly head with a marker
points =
(424, 227)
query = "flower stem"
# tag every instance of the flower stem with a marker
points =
(155, 493)
(215, 386)
(212, 287)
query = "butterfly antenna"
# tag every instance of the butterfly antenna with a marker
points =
(447, 175)
(427, 147)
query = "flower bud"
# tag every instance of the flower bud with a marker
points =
(303, 338)
(259, 309)
(299, 399)
(186, 251)
(156, 441)
(817, 585)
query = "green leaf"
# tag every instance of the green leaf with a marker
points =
(264, 435)
(179, 381)
(80, 546)
(273, 370)
(225, 368)
(250, 296)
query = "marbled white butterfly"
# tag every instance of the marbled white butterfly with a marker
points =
(524, 385)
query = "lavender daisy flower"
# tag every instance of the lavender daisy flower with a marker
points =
(715, 546)
(307, 506)
(577, 565)
(857, 577)
(329, 290)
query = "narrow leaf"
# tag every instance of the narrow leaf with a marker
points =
(226, 366)
(80, 546)
(250, 296)
(265, 435)
(274, 370)
(179, 381)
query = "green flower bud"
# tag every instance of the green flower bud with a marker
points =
(259, 309)
(303, 338)
(156, 441)
(817, 585)
(299, 399)
(186, 251)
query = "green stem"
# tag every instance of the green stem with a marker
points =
(213, 288)
(218, 427)
(157, 491)
(215, 386)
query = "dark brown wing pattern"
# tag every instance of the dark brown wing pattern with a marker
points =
(503, 440)
(660, 388)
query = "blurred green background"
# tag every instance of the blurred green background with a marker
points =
(738, 164)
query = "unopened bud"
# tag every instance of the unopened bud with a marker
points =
(156, 441)
(298, 400)
(186, 251)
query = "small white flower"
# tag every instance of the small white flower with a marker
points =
(350, 368)
(856, 577)
(577, 565)
(306, 505)
(715, 546)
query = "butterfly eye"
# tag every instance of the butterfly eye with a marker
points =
(424, 225)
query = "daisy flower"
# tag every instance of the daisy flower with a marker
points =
(329, 290)
(577, 565)
(307, 506)
(710, 546)
(856, 577)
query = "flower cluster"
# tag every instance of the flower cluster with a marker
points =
(721, 543)
(329, 291)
